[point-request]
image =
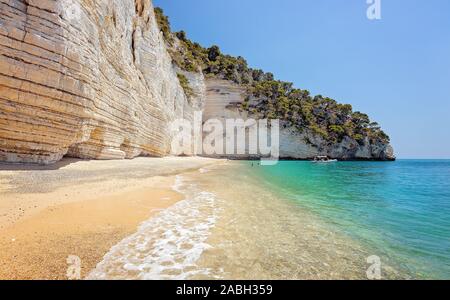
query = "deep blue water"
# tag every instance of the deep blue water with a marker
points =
(398, 209)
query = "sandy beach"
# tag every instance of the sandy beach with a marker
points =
(80, 208)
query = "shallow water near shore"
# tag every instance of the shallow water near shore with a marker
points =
(295, 220)
(398, 210)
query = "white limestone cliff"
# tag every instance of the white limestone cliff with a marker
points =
(293, 144)
(95, 80)
(89, 79)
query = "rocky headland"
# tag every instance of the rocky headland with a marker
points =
(104, 79)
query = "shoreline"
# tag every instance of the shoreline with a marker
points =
(111, 222)
(82, 208)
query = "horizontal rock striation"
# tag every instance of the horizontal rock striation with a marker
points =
(88, 79)
(95, 80)
(221, 97)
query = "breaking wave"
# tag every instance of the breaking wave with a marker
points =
(169, 244)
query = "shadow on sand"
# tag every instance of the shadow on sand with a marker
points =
(36, 167)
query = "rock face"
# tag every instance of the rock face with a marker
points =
(293, 145)
(88, 79)
(94, 79)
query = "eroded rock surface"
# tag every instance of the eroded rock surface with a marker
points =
(95, 80)
(219, 103)
(88, 79)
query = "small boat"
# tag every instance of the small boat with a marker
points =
(323, 159)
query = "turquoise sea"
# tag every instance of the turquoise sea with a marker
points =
(398, 209)
(295, 220)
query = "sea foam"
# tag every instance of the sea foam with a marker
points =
(168, 245)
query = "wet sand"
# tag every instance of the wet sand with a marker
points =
(79, 208)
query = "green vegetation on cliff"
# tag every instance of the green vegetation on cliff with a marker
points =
(184, 82)
(270, 98)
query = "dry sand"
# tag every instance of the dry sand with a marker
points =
(80, 208)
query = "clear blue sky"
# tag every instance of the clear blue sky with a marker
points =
(396, 69)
